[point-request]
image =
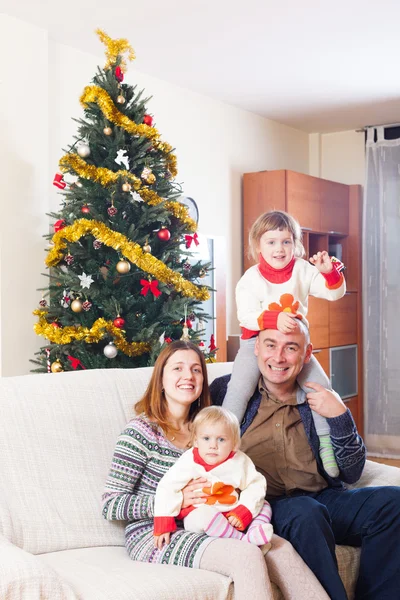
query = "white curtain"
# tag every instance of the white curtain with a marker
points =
(381, 295)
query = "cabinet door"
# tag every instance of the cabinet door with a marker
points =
(322, 357)
(318, 317)
(303, 194)
(334, 207)
(343, 321)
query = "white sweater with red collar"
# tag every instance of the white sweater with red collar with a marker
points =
(237, 472)
(263, 292)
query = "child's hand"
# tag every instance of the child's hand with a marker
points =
(160, 540)
(286, 322)
(322, 261)
(234, 521)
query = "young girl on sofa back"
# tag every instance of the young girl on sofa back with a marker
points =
(271, 295)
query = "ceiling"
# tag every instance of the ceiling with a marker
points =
(314, 65)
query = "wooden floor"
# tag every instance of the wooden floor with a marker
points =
(393, 462)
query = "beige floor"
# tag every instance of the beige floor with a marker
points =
(394, 462)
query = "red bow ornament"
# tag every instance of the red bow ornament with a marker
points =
(58, 181)
(119, 76)
(151, 286)
(191, 238)
(75, 363)
(60, 224)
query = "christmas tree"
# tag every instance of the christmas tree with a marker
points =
(123, 281)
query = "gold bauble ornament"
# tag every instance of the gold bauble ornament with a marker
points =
(126, 187)
(202, 273)
(56, 367)
(76, 305)
(107, 131)
(147, 247)
(120, 99)
(123, 267)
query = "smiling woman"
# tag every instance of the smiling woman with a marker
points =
(147, 449)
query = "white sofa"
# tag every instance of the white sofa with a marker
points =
(57, 435)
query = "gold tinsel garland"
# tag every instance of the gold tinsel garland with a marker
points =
(115, 48)
(106, 177)
(66, 335)
(96, 94)
(132, 251)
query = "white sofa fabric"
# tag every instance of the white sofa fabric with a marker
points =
(57, 436)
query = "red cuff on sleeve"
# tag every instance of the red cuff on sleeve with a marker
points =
(268, 319)
(243, 514)
(333, 280)
(184, 512)
(164, 525)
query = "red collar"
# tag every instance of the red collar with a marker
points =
(198, 460)
(275, 275)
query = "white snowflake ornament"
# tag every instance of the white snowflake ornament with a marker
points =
(86, 280)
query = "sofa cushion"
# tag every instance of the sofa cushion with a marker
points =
(348, 562)
(109, 574)
(23, 575)
(57, 436)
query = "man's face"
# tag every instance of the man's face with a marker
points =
(281, 356)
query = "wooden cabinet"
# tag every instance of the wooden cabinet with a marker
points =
(343, 321)
(334, 202)
(303, 196)
(330, 216)
(322, 357)
(317, 204)
(318, 317)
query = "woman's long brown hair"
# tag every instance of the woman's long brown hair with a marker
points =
(153, 403)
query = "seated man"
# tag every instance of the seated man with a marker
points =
(309, 508)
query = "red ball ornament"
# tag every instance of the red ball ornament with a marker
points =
(164, 234)
(60, 224)
(55, 324)
(148, 120)
(119, 322)
(85, 209)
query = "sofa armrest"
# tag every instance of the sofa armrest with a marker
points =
(24, 576)
(377, 474)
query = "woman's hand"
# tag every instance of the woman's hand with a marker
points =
(160, 540)
(193, 492)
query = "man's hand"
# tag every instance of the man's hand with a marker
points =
(234, 521)
(286, 322)
(193, 493)
(322, 261)
(160, 540)
(324, 402)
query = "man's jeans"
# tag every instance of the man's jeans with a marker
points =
(367, 517)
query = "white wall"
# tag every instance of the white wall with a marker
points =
(338, 156)
(23, 187)
(215, 144)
